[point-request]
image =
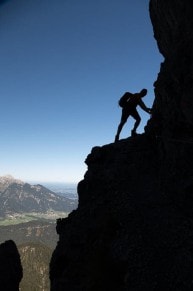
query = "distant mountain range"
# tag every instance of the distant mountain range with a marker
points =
(36, 238)
(17, 197)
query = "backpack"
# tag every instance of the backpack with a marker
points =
(124, 99)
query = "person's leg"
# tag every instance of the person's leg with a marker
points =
(121, 124)
(137, 118)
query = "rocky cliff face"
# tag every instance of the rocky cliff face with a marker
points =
(35, 259)
(133, 228)
(173, 107)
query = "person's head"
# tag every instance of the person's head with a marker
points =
(143, 92)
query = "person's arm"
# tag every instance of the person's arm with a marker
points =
(144, 107)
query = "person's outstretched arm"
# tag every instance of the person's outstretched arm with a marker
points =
(144, 107)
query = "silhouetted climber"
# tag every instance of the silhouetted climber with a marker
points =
(129, 102)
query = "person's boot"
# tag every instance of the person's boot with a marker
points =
(133, 133)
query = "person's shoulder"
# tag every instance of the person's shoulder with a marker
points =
(137, 97)
(128, 94)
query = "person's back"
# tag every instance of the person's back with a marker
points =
(133, 101)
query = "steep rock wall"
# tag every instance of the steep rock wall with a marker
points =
(173, 107)
(172, 119)
(133, 228)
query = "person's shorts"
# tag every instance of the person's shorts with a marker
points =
(127, 112)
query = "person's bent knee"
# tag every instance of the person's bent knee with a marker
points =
(123, 121)
(138, 119)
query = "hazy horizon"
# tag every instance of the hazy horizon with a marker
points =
(39, 181)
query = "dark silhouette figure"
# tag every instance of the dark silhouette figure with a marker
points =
(131, 101)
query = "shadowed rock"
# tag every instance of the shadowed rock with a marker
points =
(133, 229)
(10, 267)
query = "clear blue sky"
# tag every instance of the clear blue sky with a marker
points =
(63, 66)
